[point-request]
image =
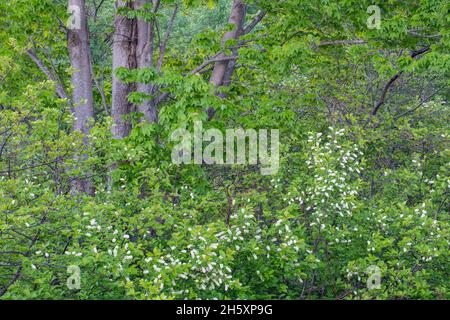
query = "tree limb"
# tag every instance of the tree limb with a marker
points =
(52, 77)
(213, 60)
(388, 85)
(339, 42)
(249, 28)
(163, 47)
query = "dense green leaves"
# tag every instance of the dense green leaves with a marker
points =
(356, 189)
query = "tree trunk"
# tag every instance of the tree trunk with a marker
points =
(124, 55)
(237, 18)
(222, 71)
(82, 96)
(144, 59)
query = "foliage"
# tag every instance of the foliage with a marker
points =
(355, 188)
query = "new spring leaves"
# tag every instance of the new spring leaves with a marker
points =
(235, 141)
(213, 153)
(74, 21)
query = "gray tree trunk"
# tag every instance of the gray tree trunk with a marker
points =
(237, 18)
(144, 59)
(222, 72)
(82, 96)
(124, 55)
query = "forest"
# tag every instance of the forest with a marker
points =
(224, 149)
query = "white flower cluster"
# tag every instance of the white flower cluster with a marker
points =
(206, 262)
(331, 194)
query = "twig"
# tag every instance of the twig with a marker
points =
(59, 88)
(254, 22)
(162, 50)
(382, 99)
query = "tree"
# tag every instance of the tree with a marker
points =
(360, 105)
(123, 56)
(82, 97)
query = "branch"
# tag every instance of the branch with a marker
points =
(165, 95)
(101, 90)
(97, 8)
(213, 60)
(102, 94)
(420, 104)
(59, 88)
(29, 167)
(384, 93)
(163, 47)
(18, 273)
(339, 42)
(392, 80)
(12, 281)
(62, 26)
(254, 22)
(428, 36)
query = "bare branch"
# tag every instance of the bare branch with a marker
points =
(249, 28)
(52, 77)
(97, 8)
(392, 80)
(213, 60)
(384, 93)
(163, 47)
(420, 104)
(343, 42)
(428, 36)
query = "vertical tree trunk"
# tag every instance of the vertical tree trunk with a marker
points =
(222, 71)
(80, 59)
(124, 55)
(144, 58)
(237, 18)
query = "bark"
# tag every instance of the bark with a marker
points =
(249, 28)
(222, 72)
(230, 69)
(237, 18)
(80, 59)
(144, 59)
(82, 97)
(124, 55)
(243, 31)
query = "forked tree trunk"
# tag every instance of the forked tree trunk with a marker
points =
(237, 18)
(222, 71)
(124, 55)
